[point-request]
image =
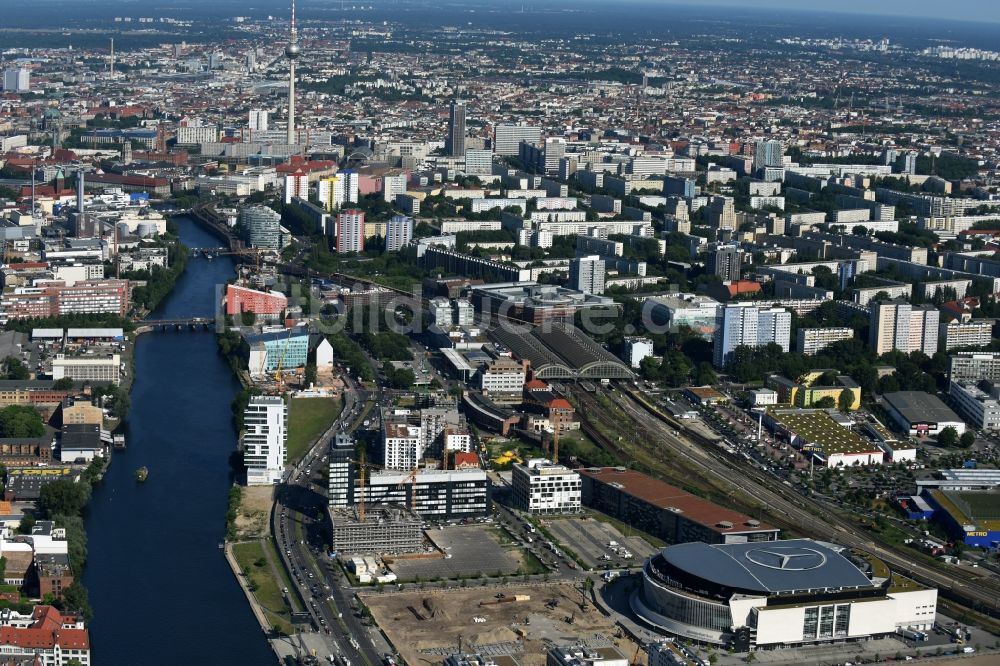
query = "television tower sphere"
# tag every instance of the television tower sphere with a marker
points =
(293, 50)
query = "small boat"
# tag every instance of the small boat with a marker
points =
(141, 474)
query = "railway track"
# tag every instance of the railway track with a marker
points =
(787, 508)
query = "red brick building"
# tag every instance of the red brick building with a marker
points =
(84, 297)
(242, 299)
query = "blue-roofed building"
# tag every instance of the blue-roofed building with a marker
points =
(777, 593)
(289, 349)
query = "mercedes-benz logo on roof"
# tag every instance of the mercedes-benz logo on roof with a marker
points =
(787, 558)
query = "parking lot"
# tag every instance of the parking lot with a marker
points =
(589, 539)
(473, 550)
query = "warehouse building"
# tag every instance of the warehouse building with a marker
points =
(972, 516)
(666, 512)
(920, 414)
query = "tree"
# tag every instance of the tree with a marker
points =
(309, 375)
(706, 374)
(75, 598)
(21, 421)
(846, 401)
(27, 522)
(967, 439)
(826, 402)
(64, 384)
(63, 497)
(15, 369)
(948, 437)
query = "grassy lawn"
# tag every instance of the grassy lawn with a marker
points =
(308, 418)
(272, 553)
(262, 583)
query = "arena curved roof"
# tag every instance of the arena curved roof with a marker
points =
(770, 567)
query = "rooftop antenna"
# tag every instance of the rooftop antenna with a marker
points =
(112, 57)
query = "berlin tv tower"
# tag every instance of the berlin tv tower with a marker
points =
(292, 52)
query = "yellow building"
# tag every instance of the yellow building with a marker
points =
(805, 394)
(83, 413)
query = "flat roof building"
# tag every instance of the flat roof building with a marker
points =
(667, 512)
(920, 414)
(541, 487)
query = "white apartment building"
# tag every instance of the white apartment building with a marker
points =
(393, 184)
(974, 367)
(258, 121)
(972, 333)
(188, 135)
(811, 341)
(265, 439)
(900, 325)
(296, 186)
(455, 226)
(508, 137)
(501, 376)
(402, 445)
(19, 80)
(749, 325)
(542, 487)
(478, 162)
(338, 190)
(351, 231)
(89, 368)
(586, 274)
(398, 232)
(636, 349)
(979, 408)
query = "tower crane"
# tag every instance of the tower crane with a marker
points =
(281, 361)
(364, 466)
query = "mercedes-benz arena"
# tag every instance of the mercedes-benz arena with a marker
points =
(759, 595)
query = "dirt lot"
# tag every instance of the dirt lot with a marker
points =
(427, 625)
(255, 511)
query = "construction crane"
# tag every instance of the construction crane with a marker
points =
(411, 478)
(363, 467)
(281, 361)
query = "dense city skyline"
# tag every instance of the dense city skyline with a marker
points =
(542, 333)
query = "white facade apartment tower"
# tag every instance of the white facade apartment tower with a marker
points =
(351, 231)
(398, 232)
(748, 325)
(586, 274)
(265, 439)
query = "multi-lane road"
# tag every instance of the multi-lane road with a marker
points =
(299, 527)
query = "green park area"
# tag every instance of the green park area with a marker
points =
(308, 418)
(259, 572)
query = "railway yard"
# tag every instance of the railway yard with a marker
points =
(627, 425)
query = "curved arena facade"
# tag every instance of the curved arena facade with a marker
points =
(780, 593)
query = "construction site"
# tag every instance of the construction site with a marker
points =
(520, 622)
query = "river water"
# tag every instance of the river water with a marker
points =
(160, 587)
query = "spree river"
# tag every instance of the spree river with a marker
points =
(160, 587)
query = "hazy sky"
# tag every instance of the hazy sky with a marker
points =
(959, 10)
